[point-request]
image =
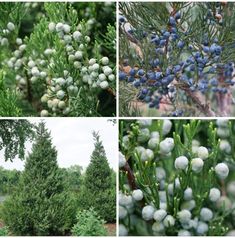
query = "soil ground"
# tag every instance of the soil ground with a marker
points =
(111, 227)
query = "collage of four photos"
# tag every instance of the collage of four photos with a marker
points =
(117, 118)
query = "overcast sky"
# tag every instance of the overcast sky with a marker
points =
(74, 142)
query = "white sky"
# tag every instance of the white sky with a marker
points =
(74, 141)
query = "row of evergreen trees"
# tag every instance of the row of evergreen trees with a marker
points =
(43, 203)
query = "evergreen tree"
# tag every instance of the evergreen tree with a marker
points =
(99, 190)
(42, 205)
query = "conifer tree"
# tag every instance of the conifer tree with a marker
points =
(99, 190)
(41, 205)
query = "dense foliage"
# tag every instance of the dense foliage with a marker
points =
(9, 179)
(177, 58)
(57, 59)
(89, 223)
(177, 177)
(13, 136)
(99, 189)
(41, 205)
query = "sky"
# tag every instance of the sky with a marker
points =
(74, 142)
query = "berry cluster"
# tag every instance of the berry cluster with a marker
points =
(181, 67)
(61, 69)
(169, 187)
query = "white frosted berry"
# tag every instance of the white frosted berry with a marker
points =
(222, 170)
(35, 71)
(214, 194)
(202, 228)
(155, 134)
(144, 135)
(77, 64)
(153, 143)
(59, 27)
(222, 122)
(104, 84)
(158, 227)
(188, 205)
(48, 51)
(147, 155)
(87, 39)
(166, 127)
(19, 41)
(22, 47)
(166, 145)
(206, 214)
(184, 233)
(188, 194)
(181, 162)
(202, 152)
(160, 174)
(31, 64)
(122, 160)
(137, 195)
(60, 94)
(107, 70)
(225, 146)
(51, 26)
(145, 123)
(95, 67)
(77, 35)
(147, 212)
(44, 98)
(44, 113)
(223, 132)
(102, 77)
(78, 54)
(4, 42)
(169, 221)
(92, 61)
(10, 26)
(125, 200)
(104, 61)
(159, 215)
(61, 105)
(184, 216)
(122, 230)
(66, 28)
(111, 77)
(122, 212)
(197, 165)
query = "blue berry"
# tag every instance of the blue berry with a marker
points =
(172, 21)
(180, 44)
(177, 15)
(140, 72)
(122, 75)
(132, 72)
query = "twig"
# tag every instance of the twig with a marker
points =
(130, 176)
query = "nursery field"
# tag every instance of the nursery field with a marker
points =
(177, 177)
(45, 199)
(57, 59)
(176, 59)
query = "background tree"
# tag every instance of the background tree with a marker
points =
(13, 136)
(98, 189)
(9, 179)
(41, 205)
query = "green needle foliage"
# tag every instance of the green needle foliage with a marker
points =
(180, 177)
(89, 223)
(99, 190)
(41, 205)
